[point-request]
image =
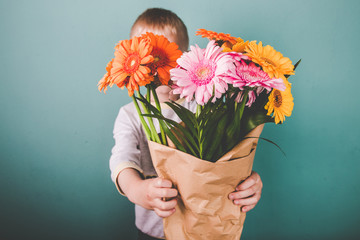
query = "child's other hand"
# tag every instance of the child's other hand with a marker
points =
(157, 191)
(149, 193)
(247, 194)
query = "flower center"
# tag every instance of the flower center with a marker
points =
(160, 58)
(202, 73)
(278, 98)
(250, 76)
(269, 61)
(132, 63)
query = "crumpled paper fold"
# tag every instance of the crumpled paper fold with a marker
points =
(204, 210)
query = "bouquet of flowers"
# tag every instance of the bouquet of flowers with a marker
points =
(238, 86)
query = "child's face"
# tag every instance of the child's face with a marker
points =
(140, 29)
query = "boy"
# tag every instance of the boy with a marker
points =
(131, 166)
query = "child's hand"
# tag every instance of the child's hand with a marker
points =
(157, 191)
(149, 193)
(247, 194)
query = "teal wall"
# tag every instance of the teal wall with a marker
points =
(56, 128)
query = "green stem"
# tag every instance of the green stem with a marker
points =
(199, 131)
(156, 99)
(198, 110)
(148, 97)
(153, 132)
(143, 122)
(242, 105)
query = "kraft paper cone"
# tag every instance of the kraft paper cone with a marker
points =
(204, 210)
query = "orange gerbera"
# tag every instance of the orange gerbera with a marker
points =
(128, 66)
(239, 46)
(271, 61)
(216, 36)
(105, 81)
(165, 54)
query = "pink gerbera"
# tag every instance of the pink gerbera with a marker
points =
(249, 75)
(238, 56)
(200, 71)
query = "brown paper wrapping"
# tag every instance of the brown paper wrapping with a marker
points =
(204, 210)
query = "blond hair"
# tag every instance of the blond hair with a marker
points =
(163, 20)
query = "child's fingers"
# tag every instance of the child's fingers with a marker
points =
(165, 192)
(247, 208)
(162, 183)
(254, 178)
(164, 214)
(248, 201)
(245, 193)
(165, 205)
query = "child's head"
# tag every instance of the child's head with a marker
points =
(162, 22)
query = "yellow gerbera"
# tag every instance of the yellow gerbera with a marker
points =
(239, 46)
(281, 103)
(271, 61)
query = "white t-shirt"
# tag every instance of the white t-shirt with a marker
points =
(131, 151)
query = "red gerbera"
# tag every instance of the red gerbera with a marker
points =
(165, 54)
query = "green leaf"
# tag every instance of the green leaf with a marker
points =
(209, 129)
(149, 106)
(152, 88)
(295, 66)
(254, 118)
(208, 112)
(143, 122)
(217, 139)
(297, 63)
(172, 137)
(154, 136)
(185, 115)
(267, 140)
(179, 133)
(183, 130)
(188, 135)
(186, 111)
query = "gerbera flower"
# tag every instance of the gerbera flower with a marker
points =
(128, 66)
(238, 56)
(236, 50)
(211, 35)
(251, 76)
(105, 81)
(271, 61)
(281, 104)
(251, 96)
(165, 54)
(201, 72)
(239, 46)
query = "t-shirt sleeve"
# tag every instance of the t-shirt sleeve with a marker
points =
(126, 152)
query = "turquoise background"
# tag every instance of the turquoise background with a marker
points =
(56, 128)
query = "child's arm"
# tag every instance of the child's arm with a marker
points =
(127, 170)
(247, 194)
(148, 193)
